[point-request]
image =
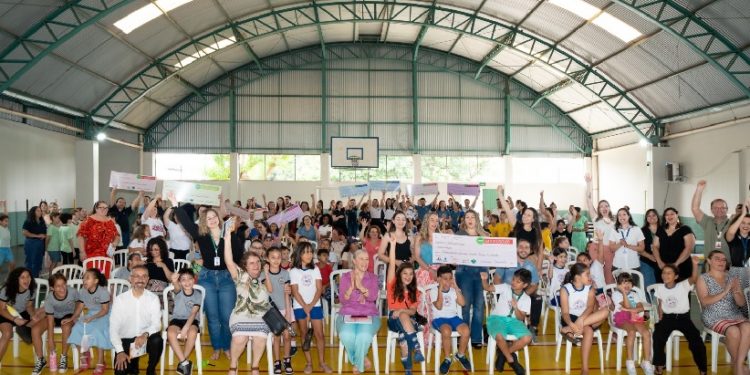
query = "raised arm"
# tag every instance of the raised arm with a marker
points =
(228, 255)
(223, 212)
(151, 206)
(695, 204)
(391, 258)
(184, 220)
(137, 201)
(732, 230)
(506, 207)
(434, 201)
(360, 201)
(474, 203)
(165, 218)
(112, 193)
(696, 272)
(383, 245)
(590, 197)
(5, 206)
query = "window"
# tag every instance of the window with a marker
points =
(191, 166)
(548, 170)
(279, 167)
(389, 168)
(462, 169)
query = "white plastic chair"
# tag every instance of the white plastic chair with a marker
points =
(334, 306)
(269, 352)
(715, 341)
(180, 264)
(103, 264)
(492, 349)
(165, 324)
(76, 284)
(637, 275)
(621, 333)
(70, 271)
(672, 347)
(391, 347)
(373, 349)
(121, 258)
(437, 339)
(117, 287)
(569, 345)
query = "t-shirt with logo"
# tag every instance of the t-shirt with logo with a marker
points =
(674, 300)
(60, 308)
(503, 295)
(450, 307)
(94, 300)
(278, 281)
(633, 300)
(305, 279)
(184, 303)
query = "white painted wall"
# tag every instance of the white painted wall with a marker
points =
(623, 178)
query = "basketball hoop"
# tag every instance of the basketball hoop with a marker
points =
(354, 160)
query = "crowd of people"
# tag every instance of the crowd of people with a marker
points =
(247, 267)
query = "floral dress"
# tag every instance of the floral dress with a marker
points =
(724, 313)
(252, 303)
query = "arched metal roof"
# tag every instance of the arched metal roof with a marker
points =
(692, 54)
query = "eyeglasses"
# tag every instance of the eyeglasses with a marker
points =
(257, 247)
(102, 207)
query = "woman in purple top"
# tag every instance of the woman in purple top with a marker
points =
(358, 319)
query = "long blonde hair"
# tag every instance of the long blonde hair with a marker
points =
(203, 225)
(480, 231)
(424, 231)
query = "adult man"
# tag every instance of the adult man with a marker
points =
(523, 250)
(423, 209)
(122, 214)
(714, 227)
(136, 321)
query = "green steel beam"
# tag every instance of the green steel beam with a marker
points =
(323, 84)
(697, 34)
(506, 117)
(250, 53)
(504, 41)
(429, 17)
(233, 117)
(414, 106)
(312, 56)
(182, 81)
(450, 19)
(54, 30)
(553, 89)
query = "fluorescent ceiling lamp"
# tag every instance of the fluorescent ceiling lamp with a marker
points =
(210, 49)
(147, 13)
(606, 21)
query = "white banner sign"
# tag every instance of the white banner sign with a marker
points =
(474, 251)
(423, 189)
(130, 181)
(191, 192)
(385, 185)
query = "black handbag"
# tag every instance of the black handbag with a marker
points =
(275, 320)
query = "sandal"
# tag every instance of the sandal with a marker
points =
(327, 369)
(288, 366)
(255, 370)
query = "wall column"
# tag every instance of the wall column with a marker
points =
(234, 178)
(417, 161)
(325, 170)
(87, 173)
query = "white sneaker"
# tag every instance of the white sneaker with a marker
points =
(647, 367)
(630, 367)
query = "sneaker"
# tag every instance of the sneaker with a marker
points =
(293, 350)
(308, 340)
(39, 365)
(288, 366)
(464, 362)
(500, 362)
(277, 367)
(418, 356)
(477, 345)
(647, 367)
(533, 331)
(99, 370)
(516, 367)
(630, 367)
(445, 366)
(62, 366)
(85, 361)
(185, 368)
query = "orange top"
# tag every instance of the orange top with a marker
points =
(398, 305)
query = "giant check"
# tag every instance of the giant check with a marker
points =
(423, 189)
(130, 181)
(191, 192)
(474, 251)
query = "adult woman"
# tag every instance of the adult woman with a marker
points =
(160, 267)
(151, 218)
(246, 322)
(396, 232)
(676, 243)
(97, 232)
(45, 212)
(179, 242)
(214, 276)
(649, 267)
(307, 230)
(370, 242)
(35, 231)
(376, 211)
(442, 211)
(625, 242)
(721, 297)
(358, 292)
(604, 223)
(738, 237)
(577, 226)
(528, 228)
(390, 209)
(423, 250)
(470, 282)
(324, 227)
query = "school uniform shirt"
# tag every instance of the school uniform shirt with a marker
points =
(59, 308)
(558, 276)
(53, 238)
(503, 295)
(596, 270)
(67, 233)
(450, 306)
(306, 284)
(577, 298)
(21, 299)
(4, 237)
(94, 300)
(184, 303)
(633, 298)
(626, 258)
(674, 300)
(278, 281)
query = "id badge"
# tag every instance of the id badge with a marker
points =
(217, 261)
(717, 245)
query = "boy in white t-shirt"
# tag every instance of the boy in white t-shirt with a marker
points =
(6, 255)
(446, 318)
(508, 316)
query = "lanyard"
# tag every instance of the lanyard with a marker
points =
(745, 242)
(723, 227)
(518, 298)
(625, 234)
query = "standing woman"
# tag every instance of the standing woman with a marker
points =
(649, 268)
(151, 218)
(676, 242)
(370, 236)
(376, 211)
(604, 223)
(397, 233)
(577, 226)
(97, 232)
(470, 282)
(738, 237)
(246, 321)
(427, 272)
(179, 242)
(214, 276)
(625, 242)
(35, 231)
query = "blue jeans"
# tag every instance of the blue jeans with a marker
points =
(471, 286)
(649, 277)
(219, 302)
(357, 339)
(33, 248)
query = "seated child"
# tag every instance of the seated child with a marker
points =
(93, 307)
(446, 317)
(59, 305)
(185, 322)
(628, 316)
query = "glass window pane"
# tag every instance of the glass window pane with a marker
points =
(252, 167)
(400, 168)
(307, 167)
(434, 168)
(571, 170)
(280, 167)
(490, 169)
(191, 166)
(534, 170)
(380, 173)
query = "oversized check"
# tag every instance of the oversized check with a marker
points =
(239, 212)
(385, 185)
(474, 251)
(463, 189)
(191, 192)
(423, 189)
(354, 190)
(130, 181)
(292, 213)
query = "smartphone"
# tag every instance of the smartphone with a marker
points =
(228, 225)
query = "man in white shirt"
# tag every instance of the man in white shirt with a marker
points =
(136, 320)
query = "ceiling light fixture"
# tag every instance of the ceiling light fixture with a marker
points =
(210, 49)
(146, 13)
(605, 20)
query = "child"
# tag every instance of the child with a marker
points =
(579, 316)
(53, 242)
(277, 282)
(326, 269)
(561, 242)
(674, 315)
(123, 273)
(307, 288)
(60, 304)
(185, 323)
(556, 273)
(446, 317)
(508, 317)
(67, 238)
(6, 254)
(628, 316)
(94, 325)
(17, 309)
(138, 240)
(403, 298)
(596, 268)
(285, 263)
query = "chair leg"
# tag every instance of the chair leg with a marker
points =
(438, 347)
(269, 353)
(163, 353)
(16, 341)
(375, 355)
(618, 352)
(668, 351)
(609, 342)
(471, 357)
(331, 333)
(545, 314)
(420, 339)
(558, 346)
(601, 352)
(568, 350)
(714, 352)
(676, 348)
(388, 344)
(199, 354)
(341, 356)
(526, 359)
